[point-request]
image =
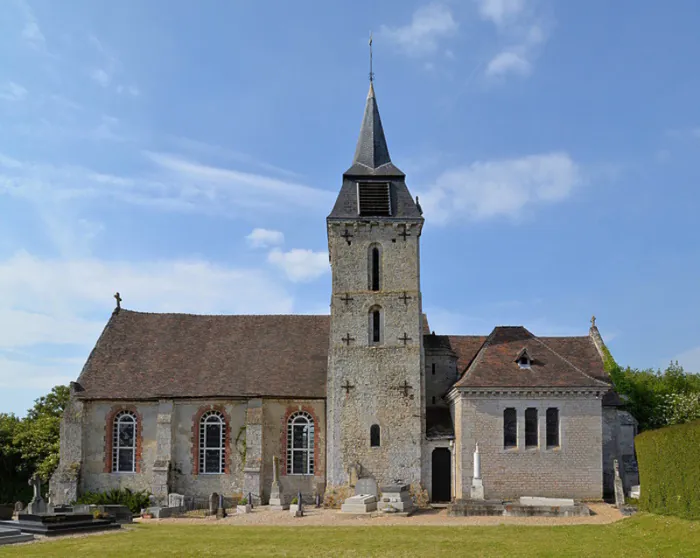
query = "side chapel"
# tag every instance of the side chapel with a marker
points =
(196, 404)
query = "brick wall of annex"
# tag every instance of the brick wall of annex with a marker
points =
(574, 470)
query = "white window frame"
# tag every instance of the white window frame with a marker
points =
(212, 418)
(123, 417)
(298, 419)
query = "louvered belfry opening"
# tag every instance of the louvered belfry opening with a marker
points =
(374, 198)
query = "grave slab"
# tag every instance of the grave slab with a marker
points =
(59, 524)
(539, 501)
(362, 503)
(396, 498)
(9, 535)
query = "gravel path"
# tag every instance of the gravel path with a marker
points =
(604, 513)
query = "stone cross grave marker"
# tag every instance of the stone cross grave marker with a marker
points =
(37, 505)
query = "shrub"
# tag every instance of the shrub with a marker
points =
(243, 501)
(295, 501)
(668, 470)
(135, 501)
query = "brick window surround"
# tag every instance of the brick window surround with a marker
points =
(109, 437)
(318, 459)
(195, 438)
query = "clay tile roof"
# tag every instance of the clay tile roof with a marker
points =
(143, 356)
(556, 362)
(466, 347)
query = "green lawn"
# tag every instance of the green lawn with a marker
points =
(641, 535)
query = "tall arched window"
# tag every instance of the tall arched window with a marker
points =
(212, 443)
(375, 325)
(374, 268)
(374, 433)
(300, 444)
(124, 442)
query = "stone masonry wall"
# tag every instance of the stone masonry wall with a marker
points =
(375, 372)
(574, 470)
(275, 414)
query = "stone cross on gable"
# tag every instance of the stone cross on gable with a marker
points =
(119, 300)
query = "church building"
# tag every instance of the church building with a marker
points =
(196, 404)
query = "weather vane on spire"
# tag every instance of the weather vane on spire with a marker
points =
(371, 73)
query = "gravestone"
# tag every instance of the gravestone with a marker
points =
(37, 505)
(362, 503)
(176, 500)
(19, 506)
(396, 498)
(366, 485)
(213, 503)
(635, 492)
(619, 491)
(276, 496)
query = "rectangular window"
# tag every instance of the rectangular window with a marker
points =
(552, 427)
(531, 437)
(433, 369)
(510, 428)
(374, 198)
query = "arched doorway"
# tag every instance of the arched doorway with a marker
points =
(442, 475)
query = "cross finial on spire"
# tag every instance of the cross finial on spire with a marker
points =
(371, 73)
(119, 300)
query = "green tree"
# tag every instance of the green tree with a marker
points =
(14, 480)
(37, 437)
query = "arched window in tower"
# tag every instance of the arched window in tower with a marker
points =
(374, 268)
(375, 325)
(124, 443)
(212, 443)
(374, 436)
(300, 444)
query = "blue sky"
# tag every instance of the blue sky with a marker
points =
(186, 154)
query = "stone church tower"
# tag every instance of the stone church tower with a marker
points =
(375, 407)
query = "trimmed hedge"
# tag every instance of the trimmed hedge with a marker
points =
(669, 470)
(135, 501)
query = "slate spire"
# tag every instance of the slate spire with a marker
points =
(372, 153)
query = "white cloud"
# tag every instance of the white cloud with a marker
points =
(12, 91)
(487, 189)
(500, 11)
(101, 76)
(67, 302)
(128, 90)
(508, 62)
(429, 25)
(300, 265)
(175, 184)
(689, 360)
(521, 28)
(264, 238)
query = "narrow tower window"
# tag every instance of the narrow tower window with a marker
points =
(375, 268)
(375, 325)
(374, 436)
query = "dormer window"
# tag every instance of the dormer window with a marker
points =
(523, 359)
